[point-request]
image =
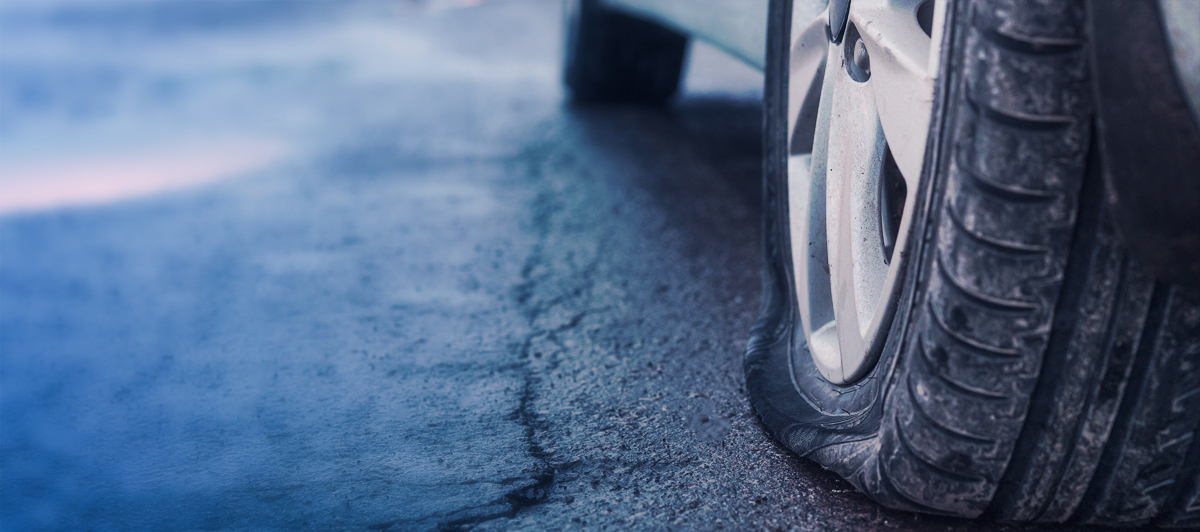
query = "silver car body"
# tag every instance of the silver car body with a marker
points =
(739, 27)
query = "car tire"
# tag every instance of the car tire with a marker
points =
(611, 56)
(1032, 370)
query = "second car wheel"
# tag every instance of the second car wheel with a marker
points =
(611, 56)
(949, 320)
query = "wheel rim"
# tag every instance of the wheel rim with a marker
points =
(858, 114)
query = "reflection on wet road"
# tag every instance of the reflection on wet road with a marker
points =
(358, 266)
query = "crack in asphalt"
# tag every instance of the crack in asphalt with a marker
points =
(543, 478)
(522, 497)
(532, 489)
(553, 294)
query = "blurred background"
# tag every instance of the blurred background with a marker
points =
(361, 265)
(103, 100)
(107, 100)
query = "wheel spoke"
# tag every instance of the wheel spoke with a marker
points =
(808, 128)
(854, 168)
(807, 73)
(903, 86)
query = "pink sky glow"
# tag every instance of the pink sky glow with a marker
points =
(76, 179)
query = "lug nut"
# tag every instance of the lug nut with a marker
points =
(854, 56)
(861, 59)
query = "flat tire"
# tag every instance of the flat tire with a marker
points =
(1027, 368)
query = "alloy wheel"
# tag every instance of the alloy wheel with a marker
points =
(858, 114)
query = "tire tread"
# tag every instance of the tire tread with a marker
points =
(972, 469)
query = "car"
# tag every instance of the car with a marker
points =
(981, 242)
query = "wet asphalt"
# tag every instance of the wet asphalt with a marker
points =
(452, 299)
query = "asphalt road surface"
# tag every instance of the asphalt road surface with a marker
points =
(362, 266)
